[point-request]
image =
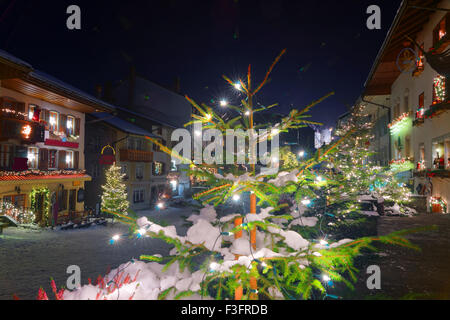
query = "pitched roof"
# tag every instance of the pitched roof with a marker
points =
(29, 74)
(408, 21)
(122, 125)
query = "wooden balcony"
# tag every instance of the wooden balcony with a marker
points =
(136, 155)
(24, 130)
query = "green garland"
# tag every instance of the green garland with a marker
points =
(46, 192)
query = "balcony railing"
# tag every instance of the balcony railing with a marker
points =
(136, 155)
(14, 128)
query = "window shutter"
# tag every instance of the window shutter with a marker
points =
(46, 118)
(63, 123)
(62, 159)
(76, 159)
(77, 126)
(43, 159)
(21, 107)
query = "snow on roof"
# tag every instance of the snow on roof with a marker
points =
(123, 125)
(7, 56)
(42, 76)
(48, 79)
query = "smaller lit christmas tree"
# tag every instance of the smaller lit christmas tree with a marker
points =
(114, 197)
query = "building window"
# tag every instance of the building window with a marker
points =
(139, 171)
(440, 31)
(421, 58)
(5, 156)
(406, 101)
(17, 201)
(124, 170)
(138, 196)
(438, 155)
(31, 109)
(54, 121)
(52, 163)
(139, 144)
(158, 168)
(130, 143)
(69, 159)
(73, 200)
(438, 89)
(33, 157)
(173, 165)
(397, 110)
(70, 125)
(62, 200)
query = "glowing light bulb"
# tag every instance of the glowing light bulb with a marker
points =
(223, 103)
(213, 266)
(237, 86)
(116, 237)
(301, 154)
(236, 197)
(326, 277)
(160, 205)
(247, 113)
(306, 202)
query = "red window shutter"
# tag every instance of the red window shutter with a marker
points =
(20, 107)
(43, 159)
(62, 159)
(76, 159)
(63, 123)
(46, 118)
(77, 126)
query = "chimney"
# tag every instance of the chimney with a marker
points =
(131, 86)
(98, 91)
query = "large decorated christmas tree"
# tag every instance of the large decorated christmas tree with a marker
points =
(114, 197)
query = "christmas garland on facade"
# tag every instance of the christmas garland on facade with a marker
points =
(27, 173)
(46, 195)
(438, 201)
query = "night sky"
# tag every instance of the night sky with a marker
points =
(328, 45)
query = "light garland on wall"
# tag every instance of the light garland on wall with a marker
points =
(399, 123)
(40, 173)
(438, 201)
(439, 88)
(14, 112)
(401, 165)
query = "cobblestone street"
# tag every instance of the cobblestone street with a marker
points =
(408, 273)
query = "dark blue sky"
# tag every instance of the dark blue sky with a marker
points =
(328, 45)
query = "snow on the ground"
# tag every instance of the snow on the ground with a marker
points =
(396, 210)
(28, 258)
